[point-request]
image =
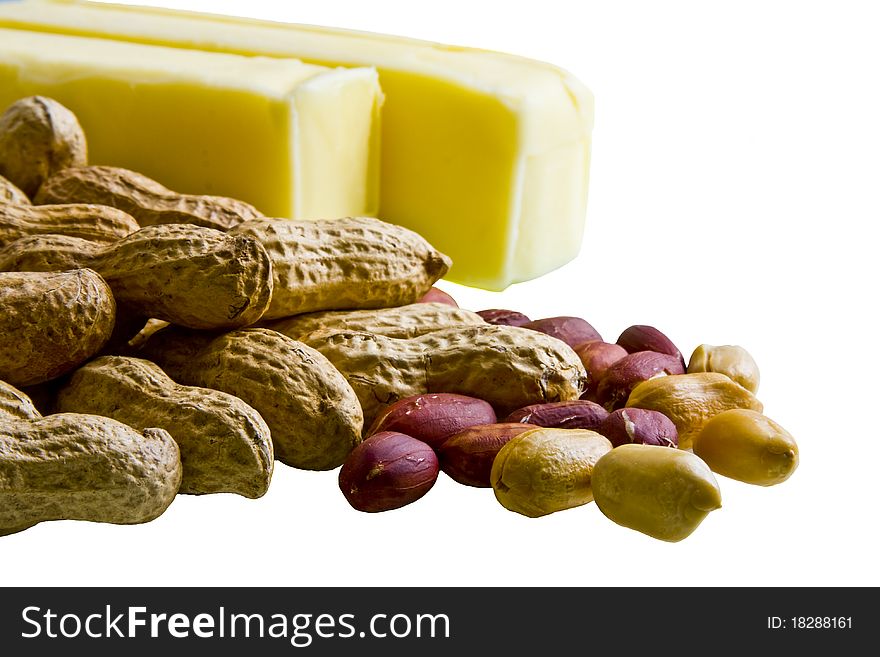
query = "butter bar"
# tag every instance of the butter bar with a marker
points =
(295, 140)
(487, 155)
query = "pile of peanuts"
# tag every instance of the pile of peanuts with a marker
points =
(154, 343)
(642, 441)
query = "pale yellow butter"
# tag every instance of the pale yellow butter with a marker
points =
(487, 155)
(294, 139)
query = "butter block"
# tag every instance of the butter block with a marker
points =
(485, 154)
(293, 139)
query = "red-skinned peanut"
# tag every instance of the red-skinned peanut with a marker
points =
(387, 471)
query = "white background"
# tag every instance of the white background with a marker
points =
(734, 199)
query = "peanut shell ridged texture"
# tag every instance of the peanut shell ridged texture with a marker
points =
(691, 400)
(225, 445)
(339, 264)
(84, 467)
(9, 193)
(506, 366)
(15, 405)
(187, 275)
(39, 136)
(51, 322)
(143, 198)
(96, 223)
(311, 410)
(408, 321)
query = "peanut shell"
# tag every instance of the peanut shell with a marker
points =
(39, 137)
(144, 199)
(187, 275)
(225, 445)
(409, 321)
(51, 322)
(9, 193)
(96, 223)
(81, 467)
(311, 410)
(508, 367)
(340, 264)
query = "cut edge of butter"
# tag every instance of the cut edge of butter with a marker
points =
(308, 135)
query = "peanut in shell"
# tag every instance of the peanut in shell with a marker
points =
(340, 264)
(225, 445)
(51, 322)
(311, 410)
(188, 275)
(146, 200)
(508, 367)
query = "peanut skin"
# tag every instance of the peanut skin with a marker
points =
(144, 199)
(436, 295)
(434, 417)
(625, 374)
(647, 338)
(340, 264)
(503, 317)
(467, 456)
(387, 471)
(574, 414)
(225, 445)
(573, 331)
(187, 275)
(51, 322)
(508, 367)
(639, 426)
